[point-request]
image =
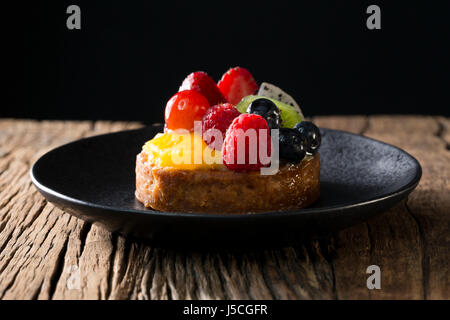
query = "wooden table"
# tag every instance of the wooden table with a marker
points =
(48, 254)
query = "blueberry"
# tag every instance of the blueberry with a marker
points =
(266, 109)
(292, 145)
(312, 134)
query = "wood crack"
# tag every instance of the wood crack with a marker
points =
(423, 244)
(149, 275)
(111, 263)
(280, 256)
(7, 165)
(216, 264)
(83, 236)
(9, 286)
(58, 270)
(327, 248)
(3, 246)
(10, 235)
(370, 238)
(366, 126)
(8, 199)
(440, 133)
(268, 281)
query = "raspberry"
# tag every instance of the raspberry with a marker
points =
(203, 83)
(239, 132)
(218, 117)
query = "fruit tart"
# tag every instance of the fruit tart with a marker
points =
(231, 147)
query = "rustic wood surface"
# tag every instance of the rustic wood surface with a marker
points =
(48, 254)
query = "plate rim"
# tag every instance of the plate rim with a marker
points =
(404, 190)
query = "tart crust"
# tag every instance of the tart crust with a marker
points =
(224, 191)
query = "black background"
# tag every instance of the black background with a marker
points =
(130, 57)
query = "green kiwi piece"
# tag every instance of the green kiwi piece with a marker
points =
(289, 116)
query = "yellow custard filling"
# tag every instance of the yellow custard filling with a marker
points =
(182, 151)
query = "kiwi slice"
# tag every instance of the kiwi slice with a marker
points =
(289, 116)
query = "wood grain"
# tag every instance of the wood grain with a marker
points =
(48, 254)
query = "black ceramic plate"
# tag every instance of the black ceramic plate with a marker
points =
(94, 179)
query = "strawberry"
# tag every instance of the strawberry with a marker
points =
(200, 81)
(237, 83)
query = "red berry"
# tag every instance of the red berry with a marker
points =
(237, 83)
(204, 84)
(240, 130)
(218, 117)
(184, 108)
